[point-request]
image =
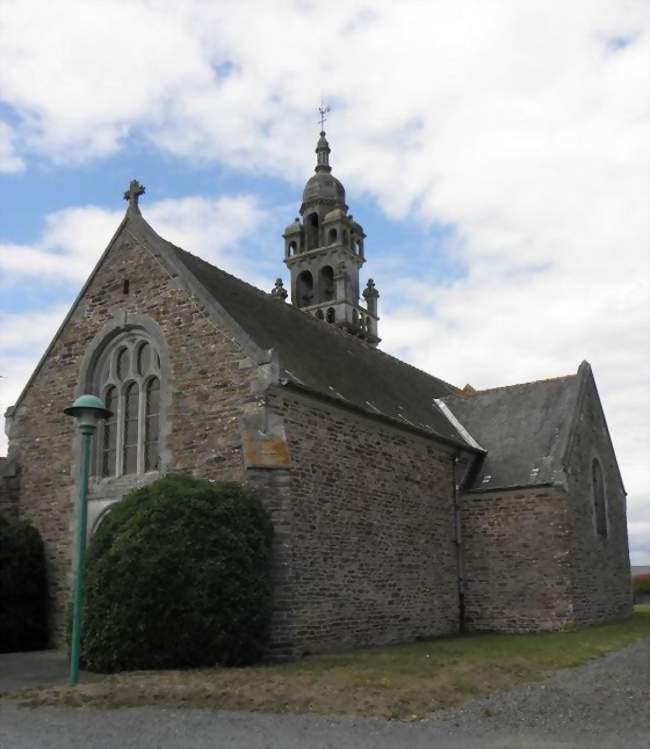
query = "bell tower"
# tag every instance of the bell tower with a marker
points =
(324, 251)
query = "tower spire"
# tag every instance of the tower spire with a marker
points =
(323, 147)
(323, 154)
(324, 251)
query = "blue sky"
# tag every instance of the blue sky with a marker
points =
(495, 154)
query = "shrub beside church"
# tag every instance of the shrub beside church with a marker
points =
(179, 575)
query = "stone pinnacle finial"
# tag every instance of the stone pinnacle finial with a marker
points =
(133, 193)
(278, 291)
(323, 154)
(370, 290)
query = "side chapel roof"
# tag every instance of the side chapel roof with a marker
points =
(524, 428)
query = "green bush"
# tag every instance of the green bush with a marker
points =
(641, 584)
(23, 588)
(178, 575)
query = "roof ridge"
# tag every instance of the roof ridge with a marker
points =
(472, 393)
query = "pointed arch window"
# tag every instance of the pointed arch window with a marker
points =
(129, 379)
(151, 424)
(600, 504)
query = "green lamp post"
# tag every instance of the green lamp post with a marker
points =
(87, 410)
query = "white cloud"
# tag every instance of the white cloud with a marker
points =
(23, 338)
(10, 162)
(524, 126)
(73, 238)
(218, 230)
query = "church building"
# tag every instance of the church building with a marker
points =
(404, 507)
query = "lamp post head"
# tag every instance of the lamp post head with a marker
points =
(87, 410)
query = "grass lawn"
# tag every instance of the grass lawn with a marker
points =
(402, 682)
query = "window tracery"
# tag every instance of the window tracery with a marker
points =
(129, 380)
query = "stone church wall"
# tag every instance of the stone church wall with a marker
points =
(209, 380)
(370, 533)
(601, 563)
(517, 564)
(9, 489)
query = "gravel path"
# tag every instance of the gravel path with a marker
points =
(603, 705)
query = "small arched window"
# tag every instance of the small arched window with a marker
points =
(305, 289)
(293, 247)
(312, 232)
(326, 285)
(129, 379)
(600, 507)
(332, 236)
(330, 315)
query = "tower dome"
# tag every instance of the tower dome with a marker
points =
(323, 186)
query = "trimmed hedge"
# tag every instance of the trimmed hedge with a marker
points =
(178, 575)
(23, 588)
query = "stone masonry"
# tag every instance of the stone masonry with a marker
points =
(372, 557)
(202, 433)
(517, 560)
(9, 489)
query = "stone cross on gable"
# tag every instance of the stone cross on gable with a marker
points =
(134, 192)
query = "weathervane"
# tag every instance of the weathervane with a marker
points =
(323, 111)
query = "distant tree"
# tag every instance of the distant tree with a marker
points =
(641, 586)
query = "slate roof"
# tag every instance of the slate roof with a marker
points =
(524, 428)
(327, 360)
